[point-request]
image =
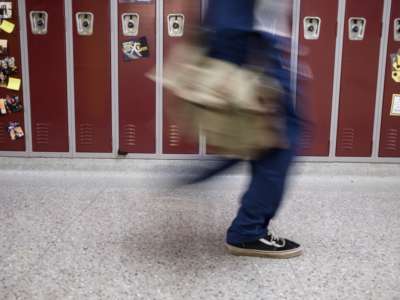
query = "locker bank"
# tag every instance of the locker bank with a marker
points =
(77, 88)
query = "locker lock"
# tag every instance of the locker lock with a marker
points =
(357, 28)
(130, 24)
(5, 10)
(84, 23)
(39, 21)
(176, 25)
(312, 26)
(397, 30)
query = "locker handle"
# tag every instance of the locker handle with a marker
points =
(84, 23)
(357, 28)
(312, 27)
(39, 22)
(176, 25)
(130, 24)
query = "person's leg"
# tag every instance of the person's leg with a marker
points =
(262, 200)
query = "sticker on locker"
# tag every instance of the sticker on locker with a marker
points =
(7, 26)
(135, 49)
(395, 109)
(396, 67)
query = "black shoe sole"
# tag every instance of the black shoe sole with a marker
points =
(260, 253)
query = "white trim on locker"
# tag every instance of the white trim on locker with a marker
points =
(50, 155)
(347, 159)
(202, 144)
(326, 159)
(93, 155)
(70, 75)
(337, 77)
(202, 137)
(114, 19)
(381, 78)
(25, 76)
(159, 74)
(168, 156)
(13, 154)
(294, 60)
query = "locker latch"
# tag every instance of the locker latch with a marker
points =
(357, 28)
(176, 25)
(397, 30)
(312, 26)
(84, 23)
(5, 10)
(39, 21)
(130, 24)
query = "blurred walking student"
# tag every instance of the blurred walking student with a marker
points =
(238, 31)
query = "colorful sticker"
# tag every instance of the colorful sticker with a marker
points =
(10, 104)
(135, 49)
(14, 84)
(7, 70)
(7, 26)
(15, 131)
(3, 47)
(396, 67)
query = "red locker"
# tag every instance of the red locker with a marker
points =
(137, 104)
(92, 68)
(178, 14)
(390, 129)
(14, 50)
(47, 64)
(363, 28)
(317, 42)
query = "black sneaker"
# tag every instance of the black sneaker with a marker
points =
(271, 246)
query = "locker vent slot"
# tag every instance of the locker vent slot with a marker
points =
(392, 140)
(3, 133)
(130, 134)
(306, 139)
(347, 139)
(174, 136)
(42, 133)
(86, 134)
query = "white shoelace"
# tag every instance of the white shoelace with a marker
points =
(274, 240)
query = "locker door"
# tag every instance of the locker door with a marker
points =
(390, 129)
(48, 75)
(359, 77)
(318, 27)
(137, 103)
(179, 15)
(14, 50)
(92, 68)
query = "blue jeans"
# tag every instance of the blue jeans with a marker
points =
(263, 197)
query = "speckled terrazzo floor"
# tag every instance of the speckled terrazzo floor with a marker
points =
(117, 229)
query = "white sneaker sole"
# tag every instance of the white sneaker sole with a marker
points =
(259, 253)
